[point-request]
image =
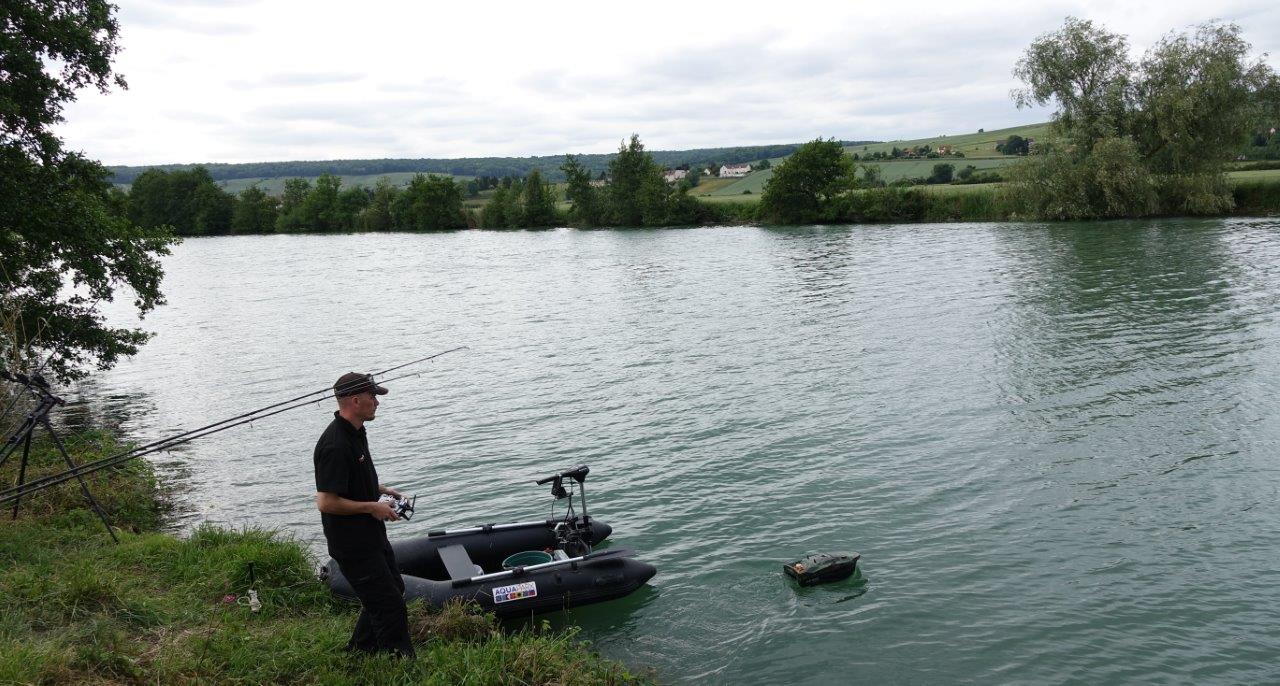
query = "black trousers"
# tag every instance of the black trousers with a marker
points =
(384, 622)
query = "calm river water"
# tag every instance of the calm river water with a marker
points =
(1054, 446)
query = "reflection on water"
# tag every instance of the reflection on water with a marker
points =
(1042, 439)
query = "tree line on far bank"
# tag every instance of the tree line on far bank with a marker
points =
(1128, 139)
(193, 204)
(635, 194)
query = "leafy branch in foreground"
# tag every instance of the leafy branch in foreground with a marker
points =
(65, 245)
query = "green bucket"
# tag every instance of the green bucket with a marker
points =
(526, 559)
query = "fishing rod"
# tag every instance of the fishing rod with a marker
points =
(247, 417)
(22, 490)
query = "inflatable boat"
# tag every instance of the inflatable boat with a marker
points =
(516, 569)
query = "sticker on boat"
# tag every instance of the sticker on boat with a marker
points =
(506, 594)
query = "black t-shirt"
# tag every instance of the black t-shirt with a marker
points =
(344, 467)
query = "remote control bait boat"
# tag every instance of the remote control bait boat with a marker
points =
(519, 568)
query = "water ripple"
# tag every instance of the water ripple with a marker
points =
(1054, 445)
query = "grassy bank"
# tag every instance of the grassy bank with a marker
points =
(75, 608)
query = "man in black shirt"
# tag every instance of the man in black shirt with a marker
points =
(347, 492)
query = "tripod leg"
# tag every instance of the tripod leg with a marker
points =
(84, 487)
(22, 472)
(28, 426)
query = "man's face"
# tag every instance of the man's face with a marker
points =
(366, 405)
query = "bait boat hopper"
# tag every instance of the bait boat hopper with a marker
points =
(822, 567)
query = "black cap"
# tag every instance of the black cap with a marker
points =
(354, 383)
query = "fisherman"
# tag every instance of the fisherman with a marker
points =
(347, 492)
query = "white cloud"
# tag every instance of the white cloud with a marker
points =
(227, 81)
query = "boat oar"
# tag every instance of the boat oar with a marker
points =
(520, 571)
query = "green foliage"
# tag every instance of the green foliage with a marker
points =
(804, 183)
(429, 203)
(188, 201)
(255, 211)
(1014, 145)
(503, 209)
(539, 201)
(1086, 70)
(376, 215)
(292, 216)
(942, 173)
(1112, 182)
(60, 222)
(587, 207)
(630, 188)
(319, 209)
(1194, 194)
(352, 203)
(1139, 138)
(1256, 197)
(636, 193)
(1198, 97)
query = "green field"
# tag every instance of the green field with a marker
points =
(753, 182)
(710, 184)
(971, 144)
(911, 169)
(1255, 175)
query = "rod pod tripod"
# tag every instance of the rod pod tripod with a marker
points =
(39, 416)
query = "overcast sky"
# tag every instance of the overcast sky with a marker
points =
(245, 80)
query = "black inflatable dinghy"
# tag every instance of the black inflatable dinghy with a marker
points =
(468, 564)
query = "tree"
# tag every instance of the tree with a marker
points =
(1014, 145)
(872, 177)
(1168, 122)
(292, 216)
(429, 203)
(585, 205)
(65, 246)
(319, 209)
(188, 201)
(941, 173)
(255, 211)
(539, 201)
(376, 216)
(211, 209)
(1198, 97)
(351, 203)
(503, 209)
(803, 184)
(1086, 70)
(628, 172)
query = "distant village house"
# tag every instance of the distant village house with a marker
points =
(734, 170)
(674, 175)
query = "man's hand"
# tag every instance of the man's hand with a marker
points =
(382, 511)
(391, 492)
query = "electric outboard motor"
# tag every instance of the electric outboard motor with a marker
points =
(822, 567)
(570, 531)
